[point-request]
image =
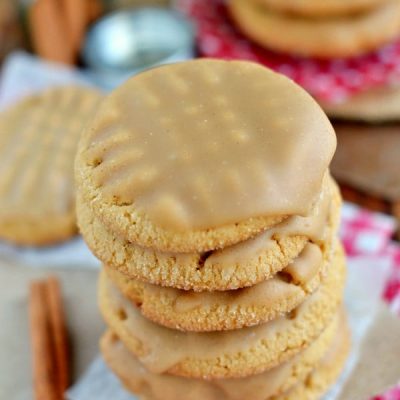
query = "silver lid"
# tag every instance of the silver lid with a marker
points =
(126, 42)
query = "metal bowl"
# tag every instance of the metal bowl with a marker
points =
(126, 42)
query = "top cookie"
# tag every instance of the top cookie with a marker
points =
(38, 141)
(324, 8)
(198, 155)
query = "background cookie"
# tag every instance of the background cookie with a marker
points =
(236, 353)
(234, 309)
(344, 36)
(368, 158)
(212, 191)
(380, 104)
(241, 265)
(318, 8)
(257, 387)
(38, 141)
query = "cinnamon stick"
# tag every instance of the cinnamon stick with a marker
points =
(58, 333)
(95, 9)
(49, 340)
(49, 32)
(44, 381)
(76, 15)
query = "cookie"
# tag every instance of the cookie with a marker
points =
(257, 387)
(236, 353)
(234, 309)
(368, 158)
(324, 375)
(336, 37)
(377, 105)
(38, 141)
(237, 266)
(195, 156)
(318, 8)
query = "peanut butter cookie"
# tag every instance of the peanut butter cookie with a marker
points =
(377, 105)
(196, 156)
(233, 309)
(244, 264)
(38, 141)
(325, 8)
(227, 354)
(334, 37)
(270, 384)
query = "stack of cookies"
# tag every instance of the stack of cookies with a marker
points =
(204, 189)
(323, 29)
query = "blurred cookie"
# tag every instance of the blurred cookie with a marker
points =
(318, 8)
(377, 105)
(38, 142)
(236, 353)
(257, 387)
(233, 309)
(368, 159)
(336, 37)
(237, 266)
(208, 169)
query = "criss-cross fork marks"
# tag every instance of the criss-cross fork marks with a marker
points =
(38, 140)
(173, 110)
(214, 141)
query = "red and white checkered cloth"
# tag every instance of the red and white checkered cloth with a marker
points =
(393, 394)
(329, 80)
(366, 233)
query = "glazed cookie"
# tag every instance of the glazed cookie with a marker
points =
(325, 8)
(257, 387)
(38, 141)
(380, 104)
(196, 156)
(236, 353)
(336, 37)
(234, 309)
(324, 375)
(237, 266)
